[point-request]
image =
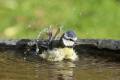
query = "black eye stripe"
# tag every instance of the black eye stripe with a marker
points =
(69, 39)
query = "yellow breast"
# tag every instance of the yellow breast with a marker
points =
(59, 54)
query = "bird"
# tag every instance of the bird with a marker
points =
(64, 49)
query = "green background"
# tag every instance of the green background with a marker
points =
(89, 18)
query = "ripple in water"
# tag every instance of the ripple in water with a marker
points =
(87, 68)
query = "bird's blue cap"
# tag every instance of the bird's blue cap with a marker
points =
(71, 34)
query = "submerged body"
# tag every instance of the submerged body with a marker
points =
(64, 49)
(59, 54)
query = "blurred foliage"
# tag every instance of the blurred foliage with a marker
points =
(89, 18)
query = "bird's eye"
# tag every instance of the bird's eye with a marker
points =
(71, 39)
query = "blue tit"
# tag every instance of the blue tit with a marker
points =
(64, 51)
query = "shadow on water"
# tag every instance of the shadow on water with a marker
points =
(16, 67)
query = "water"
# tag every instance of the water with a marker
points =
(87, 68)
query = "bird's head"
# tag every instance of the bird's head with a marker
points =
(68, 39)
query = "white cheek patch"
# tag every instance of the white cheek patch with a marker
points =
(75, 39)
(68, 42)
